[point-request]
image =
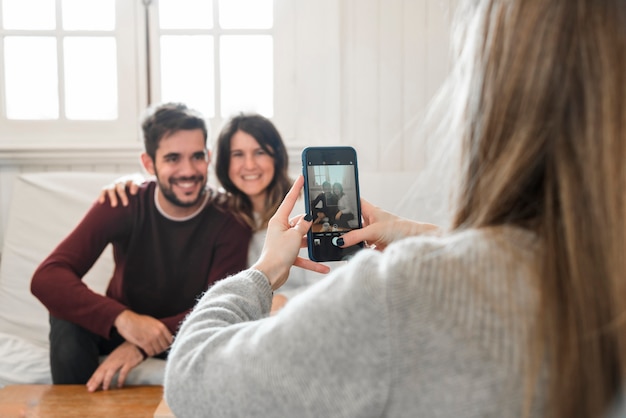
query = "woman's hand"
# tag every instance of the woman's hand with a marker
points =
(119, 189)
(283, 242)
(278, 302)
(381, 228)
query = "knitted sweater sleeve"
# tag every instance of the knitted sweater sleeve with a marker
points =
(325, 354)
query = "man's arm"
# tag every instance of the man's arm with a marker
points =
(58, 284)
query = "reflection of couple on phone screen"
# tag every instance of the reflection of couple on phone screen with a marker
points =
(332, 205)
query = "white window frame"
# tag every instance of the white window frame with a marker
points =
(62, 133)
(307, 101)
(216, 121)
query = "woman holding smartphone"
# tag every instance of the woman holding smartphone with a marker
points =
(516, 311)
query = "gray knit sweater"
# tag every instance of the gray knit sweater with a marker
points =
(431, 327)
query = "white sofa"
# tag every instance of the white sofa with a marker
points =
(44, 208)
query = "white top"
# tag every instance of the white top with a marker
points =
(299, 279)
(345, 205)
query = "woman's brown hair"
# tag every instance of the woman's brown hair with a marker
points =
(543, 143)
(268, 137)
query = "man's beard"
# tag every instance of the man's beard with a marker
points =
(170, 196)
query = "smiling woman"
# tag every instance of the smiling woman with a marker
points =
(252, 166)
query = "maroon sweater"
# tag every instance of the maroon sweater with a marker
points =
(161, 266)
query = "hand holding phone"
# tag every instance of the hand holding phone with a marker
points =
(382, 228)
(332, 198)
(283, 241)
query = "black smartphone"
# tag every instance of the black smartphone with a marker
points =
(332, 198)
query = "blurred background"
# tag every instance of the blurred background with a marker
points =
(76, 76)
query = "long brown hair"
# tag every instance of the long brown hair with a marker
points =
(268, 137)
(544, 148)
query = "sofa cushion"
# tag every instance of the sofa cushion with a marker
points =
(22, 362)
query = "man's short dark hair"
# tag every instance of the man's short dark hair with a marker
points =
(163, 120)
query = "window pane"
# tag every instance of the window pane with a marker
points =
(31, 77)
(185, 14)
(88, 15)
(187, 73)
(246, 14)
(246, 72)
(28, 14)
(90, 78)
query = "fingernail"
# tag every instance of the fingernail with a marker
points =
(308, 217)
(340, 242)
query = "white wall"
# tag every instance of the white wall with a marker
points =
(353, 72)
(361, 73)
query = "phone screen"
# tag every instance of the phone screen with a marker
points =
(332, 199)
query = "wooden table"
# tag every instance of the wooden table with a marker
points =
(73, 401)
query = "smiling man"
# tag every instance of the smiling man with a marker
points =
(170, 244)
